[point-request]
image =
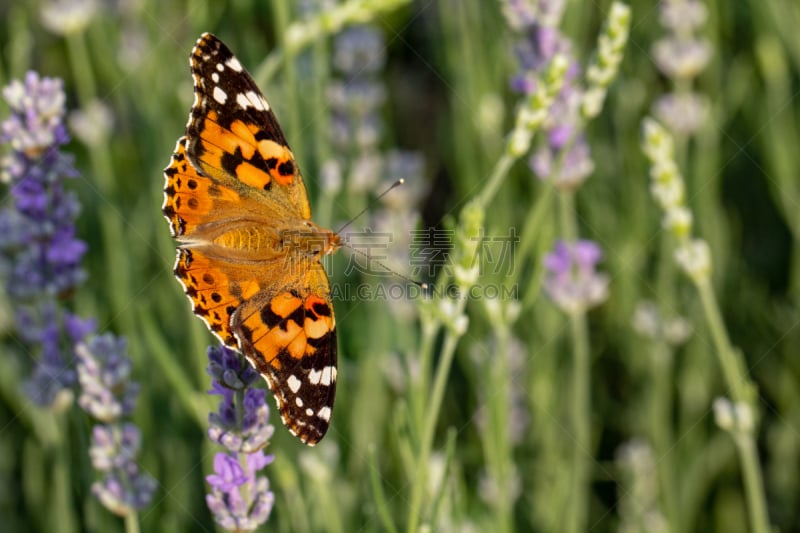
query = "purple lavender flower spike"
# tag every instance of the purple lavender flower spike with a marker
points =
(239, 499)
(37, 106)
(232, 379)
(681, 56)
(107, 393)
(113, 446)
(572, 281)
(40, 254)
(125, 491)
(52, 375)
(228, 473)
(359, 51)
(540, 40)
(79, 328)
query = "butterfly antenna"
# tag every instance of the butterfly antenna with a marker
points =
(372, 203)
(421, 284)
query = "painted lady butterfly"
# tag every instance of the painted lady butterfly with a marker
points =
(248, 254)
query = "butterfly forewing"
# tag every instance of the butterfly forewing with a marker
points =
(232, 129)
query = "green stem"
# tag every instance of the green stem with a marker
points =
(283, 18)
(498, 446)
(661, 374)
(420, 477)
(581, 407)
(379, 496)
(533, 223)
(132, 523)
(499, 173)
(419, 394)
(81, 65)
(568, 224)
(581, 424)
(753, 483)
(729, 360)
(741, 390)
(61, 487)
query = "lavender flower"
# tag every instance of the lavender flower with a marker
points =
(37, 107)
(108, 394)
(68, 17)
(539, 44)
(681, 56)
(124, 491)
(355, 99)
(93, 124)
(572, 281)
(647, 321)
(51, 375)
(43, 250)
(639, 505)
(40, 254)
(684, 113)
(667, 187)
(239, 500)
(241, 423)
(359, 50)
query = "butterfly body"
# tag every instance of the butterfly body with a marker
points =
(248, 256)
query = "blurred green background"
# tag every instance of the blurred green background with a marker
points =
(448, 104)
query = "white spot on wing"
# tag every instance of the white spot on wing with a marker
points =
(294, 383)
(326, 375)
(242, 100)
(309, 412)
(220, 67)
(234, 64)
(251, 99)
(219, 95)
(299, 401)
(215, 77)
(314, 376)
(325, 413)
(255, 100)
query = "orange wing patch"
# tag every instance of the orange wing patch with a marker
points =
(213, 289)
(190, 197)
(286, 325)
(238, 151)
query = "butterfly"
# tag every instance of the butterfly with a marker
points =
(248, 255)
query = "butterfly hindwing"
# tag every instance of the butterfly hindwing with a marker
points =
(291, 339)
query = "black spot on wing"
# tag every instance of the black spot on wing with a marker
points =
(286, 168)
(321, 309)
(270, 318)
